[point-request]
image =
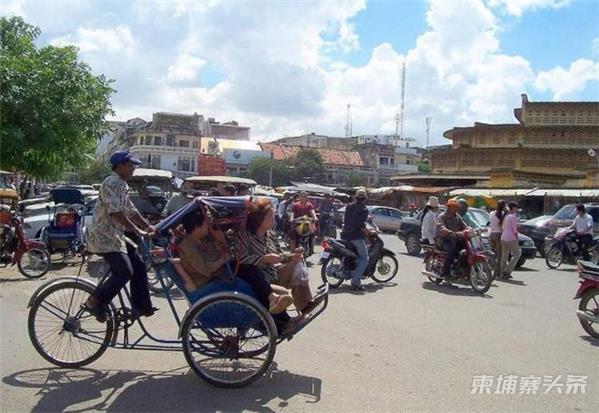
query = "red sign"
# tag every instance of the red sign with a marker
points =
(210, 165)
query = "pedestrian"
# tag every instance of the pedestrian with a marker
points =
(496, 218)
(115, 223)
(509, 241)
(583, 223)
(356, 215)
(429, 220)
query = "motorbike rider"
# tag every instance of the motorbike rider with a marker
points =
(450, 232)
(299, 209)
(356, 215)
(324, 210)
(583, 223)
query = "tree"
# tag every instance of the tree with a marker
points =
(259, 170)
(307, 163)
(355, 179)
(424, 167)
(94, 173)
(52, 108)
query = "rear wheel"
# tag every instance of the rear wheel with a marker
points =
(481, 277)
(595, 256)
(429, 267)
(590, 305)
(554, 257)
(331, 266)
(62, 332)
(386, 268)
(34, 263)
(229, 340)
(413, 245)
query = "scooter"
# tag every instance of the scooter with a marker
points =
(471, 263)
(588, 294)
(563, 248)
(338, 259)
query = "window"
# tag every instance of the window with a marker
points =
(157, 140)
(184, 144)
(170, 141)
(195, 144)
(184, 164)
(148, 140)
(380, 212)
(394, 214)
(566, 212)
(155, 161)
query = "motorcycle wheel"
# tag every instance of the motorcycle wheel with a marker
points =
(413, 245)
(34, 263)
(386, 268)
(428, 266)
(589, 299)
(481, 277)
(327, 267)
(554, 257)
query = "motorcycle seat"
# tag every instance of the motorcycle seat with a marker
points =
(345, 244)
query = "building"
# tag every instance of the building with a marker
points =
(170, 141)
(237, 154)
(313, 140)
(548, 147)
(339, 165)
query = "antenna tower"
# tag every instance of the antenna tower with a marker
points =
(403, 99)
(348, 123)
(428, 121)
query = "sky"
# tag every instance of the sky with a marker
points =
(291, 67)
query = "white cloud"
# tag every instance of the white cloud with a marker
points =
(518, 7)
(118, 39)
(565, 82)
(14, 8)
(185, 69)
(595, 46)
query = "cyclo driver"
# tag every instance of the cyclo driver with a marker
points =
(450, 234)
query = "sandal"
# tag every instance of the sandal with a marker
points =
(98, 311)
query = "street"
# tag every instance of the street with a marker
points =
(408, 345)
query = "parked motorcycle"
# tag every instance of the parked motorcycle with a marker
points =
(31, 256)
(562, 248)
(471, 263)
(338, 259)
(588, 294)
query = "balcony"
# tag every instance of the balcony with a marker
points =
(162, 149)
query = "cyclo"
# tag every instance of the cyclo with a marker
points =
(228, 338)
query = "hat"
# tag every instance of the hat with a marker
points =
(120, 157)
(433, 201)
(360, 193)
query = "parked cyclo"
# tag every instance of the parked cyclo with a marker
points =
(228, 338)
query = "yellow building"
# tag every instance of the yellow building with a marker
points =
(548, 147)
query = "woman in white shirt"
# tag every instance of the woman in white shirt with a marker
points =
(496, 217)
(429, 220)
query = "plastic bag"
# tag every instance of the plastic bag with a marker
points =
(300, 273)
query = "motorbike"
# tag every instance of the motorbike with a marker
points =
(338, 259)
(304, 228)
(562, 248)
(471, 263)
(588, 294)
(30, 256)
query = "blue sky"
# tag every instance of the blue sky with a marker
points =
(286, 68)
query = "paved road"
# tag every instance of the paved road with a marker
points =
(406, 346)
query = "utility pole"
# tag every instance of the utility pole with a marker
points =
(348, 125)
(403, 98)
(428, 121)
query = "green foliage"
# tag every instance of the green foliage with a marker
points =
(52, 108)
(424, 168)
(355, 179)
(94, 173)
(259, 170)
(307, 163)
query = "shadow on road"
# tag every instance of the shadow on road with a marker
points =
(464, 291)
(592, 341)
(178, 390)
(512, 281)
(369, 288)
(526, 269)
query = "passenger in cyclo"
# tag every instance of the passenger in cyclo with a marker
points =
(205, 259)
(259, 248)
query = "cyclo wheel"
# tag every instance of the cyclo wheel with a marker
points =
(62, 332)
(34, 263)
(229, 340)
(386, 268)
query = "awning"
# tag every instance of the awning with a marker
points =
(152, 173)
(571, 193)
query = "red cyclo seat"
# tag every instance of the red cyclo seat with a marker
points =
(65, 220)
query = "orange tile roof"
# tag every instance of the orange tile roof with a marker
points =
(329, 156)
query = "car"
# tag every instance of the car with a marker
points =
(540, 227)
(386, 218)
(410, 233)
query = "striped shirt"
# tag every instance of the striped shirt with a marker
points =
(251, 249)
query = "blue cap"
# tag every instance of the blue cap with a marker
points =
(120, 157)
